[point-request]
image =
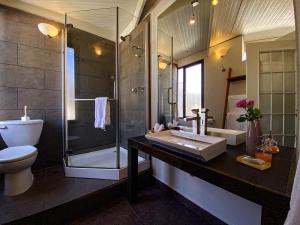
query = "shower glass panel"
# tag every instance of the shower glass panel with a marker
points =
(90, 41)
(133, 80)
(105, 57)
(166, 77)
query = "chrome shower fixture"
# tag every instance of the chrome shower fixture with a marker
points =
(124, 38)
(137, 51)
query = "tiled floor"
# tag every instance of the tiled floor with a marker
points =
(158, 205)
(50, 188)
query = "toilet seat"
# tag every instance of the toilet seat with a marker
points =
(13, 154)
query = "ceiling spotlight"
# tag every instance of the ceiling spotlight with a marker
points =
(214, 2)
(195, 3)
(192, 20)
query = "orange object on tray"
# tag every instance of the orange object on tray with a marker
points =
(264, 156)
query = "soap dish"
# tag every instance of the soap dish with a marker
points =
(253, 162)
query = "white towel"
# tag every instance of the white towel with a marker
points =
(293, 217)
(102, 112)
(232, 124)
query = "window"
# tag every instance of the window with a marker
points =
(70, 84)
(278, 95)
(190, 88)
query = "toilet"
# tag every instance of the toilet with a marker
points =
(16, 160)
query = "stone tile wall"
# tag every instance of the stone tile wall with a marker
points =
(30, 74)
(132, 75)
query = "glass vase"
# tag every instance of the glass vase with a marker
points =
(251, 138)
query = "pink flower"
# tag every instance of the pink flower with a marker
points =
(250, 103)
(241, 103)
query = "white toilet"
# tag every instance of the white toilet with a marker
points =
(17, 159)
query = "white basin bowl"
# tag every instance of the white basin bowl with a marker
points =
(233, 137)
(203, 146)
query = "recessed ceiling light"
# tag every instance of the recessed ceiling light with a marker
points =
(195, 3)
(214, 2)
(192, 20)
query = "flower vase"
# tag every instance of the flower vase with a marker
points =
(258, 131)
(251, 139)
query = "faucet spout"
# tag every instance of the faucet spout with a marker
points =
(203, 121)
(196, 121)
(199, 121)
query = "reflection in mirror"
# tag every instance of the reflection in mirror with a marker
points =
(232, 50)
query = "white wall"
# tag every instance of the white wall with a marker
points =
(228, 207)
(215, 79)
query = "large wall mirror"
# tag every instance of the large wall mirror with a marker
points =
(201, 45)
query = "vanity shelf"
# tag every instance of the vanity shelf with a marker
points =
(270, 188)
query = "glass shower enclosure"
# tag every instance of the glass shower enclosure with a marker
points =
(98, 44)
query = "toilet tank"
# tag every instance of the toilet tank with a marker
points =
(17, 132)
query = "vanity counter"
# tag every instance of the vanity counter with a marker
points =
(270, 188)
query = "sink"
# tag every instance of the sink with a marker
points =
(233, 137)
(203, 146)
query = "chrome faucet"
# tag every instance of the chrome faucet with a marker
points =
(199, 121)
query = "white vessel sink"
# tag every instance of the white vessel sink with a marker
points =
(204, 146)
(233, 137)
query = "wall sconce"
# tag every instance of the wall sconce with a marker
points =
(48, 30)
(98, 51)
(162, 65)
(220, 53)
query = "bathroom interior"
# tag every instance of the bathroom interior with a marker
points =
(87, 84)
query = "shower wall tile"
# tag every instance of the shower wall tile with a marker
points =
(54, 43)
(9, 114)
(18, 76)
(8, 98)
(21, 33)
(33, 98)
(53, 80)
(39, 58)
(8, 52)
(30, 66)
(53, 118)
(52, 99)
(132, 75)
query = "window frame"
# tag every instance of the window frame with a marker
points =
(184, 84)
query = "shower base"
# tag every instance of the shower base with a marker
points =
(101, 164)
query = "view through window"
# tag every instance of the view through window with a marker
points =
(190, 88)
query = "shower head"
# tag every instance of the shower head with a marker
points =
(69, 25)
(124, 38)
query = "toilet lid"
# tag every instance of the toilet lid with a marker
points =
(17, 153)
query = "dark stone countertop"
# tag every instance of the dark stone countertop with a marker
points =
(270, 188)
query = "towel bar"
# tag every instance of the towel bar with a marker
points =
(92, 99)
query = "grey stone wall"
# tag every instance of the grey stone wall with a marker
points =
(30, 74)
(94, 77)
(132, 75)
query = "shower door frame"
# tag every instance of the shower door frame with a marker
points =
(98, 172)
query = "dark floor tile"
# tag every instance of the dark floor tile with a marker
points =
(157, 205)
(50, 188)
(114, 213)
